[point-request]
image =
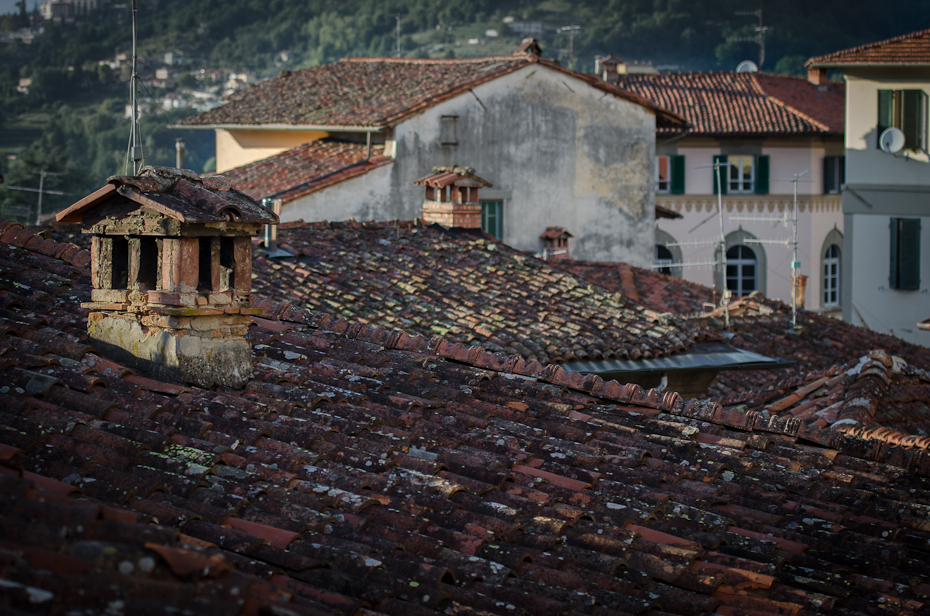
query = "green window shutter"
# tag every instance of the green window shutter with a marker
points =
(912, 116)
(678, 174)
(827, 174)
(762, 175)
(885, 113)
(724, 174)
(905, 254)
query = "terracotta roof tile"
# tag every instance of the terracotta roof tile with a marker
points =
(305, 169)
(462, 286)
(376, 91)
(907, 49)
(527, 492)
(729, 103)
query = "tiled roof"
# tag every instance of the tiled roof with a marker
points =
(367, 472)
(306, 169)
(878, 397)
(465, 286)
(730, 103)
(178, 194)
(913, 48)
(376, 92)
(649, 288)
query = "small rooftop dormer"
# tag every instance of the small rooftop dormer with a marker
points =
(555, 243)
(452, 197)
(171, 266)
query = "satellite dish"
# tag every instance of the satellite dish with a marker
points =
(747, 66)
(891, 140)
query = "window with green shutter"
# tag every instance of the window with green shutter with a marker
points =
(678, 174)
(834, 174)
(907, 111)
(905, 254)
(721, 173)
(492, 218)
(762, 175)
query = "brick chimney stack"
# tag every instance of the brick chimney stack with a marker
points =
(817, 76)
(171, 265)
(452, 197)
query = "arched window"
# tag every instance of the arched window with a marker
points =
(831, 276)
(742, 270)
(831, 271)
(666, 255)
(665, 258)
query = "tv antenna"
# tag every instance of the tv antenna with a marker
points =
(397, 38)
(720, 244)
(792, 223)
(41, 190)
(136, 151)
(759, 38)
(571, 41)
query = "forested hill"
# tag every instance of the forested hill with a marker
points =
(70, 121)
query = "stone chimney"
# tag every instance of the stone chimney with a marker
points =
(171, 265)
(528, 47)
(555, 243)
(817, 76)
(452, 197)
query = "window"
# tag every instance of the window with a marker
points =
(447, 134)
(664, 258)
(743, 174)
(670, 174)
(663, 175)
(741, 270)
(831, 276)
(906, 110)
(492, 218)
(834, 174)
(905, 254)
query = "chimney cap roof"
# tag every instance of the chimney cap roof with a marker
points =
(176, 193)
(458, 175)
(552, 233)
(529, 47)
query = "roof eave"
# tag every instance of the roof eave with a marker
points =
(349, 128)
(842, 65)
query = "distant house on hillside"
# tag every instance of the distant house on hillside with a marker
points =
(560, 148)
(767, 128)
(886, 200)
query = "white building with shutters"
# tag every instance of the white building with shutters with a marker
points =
(765, 129)
(886, 199)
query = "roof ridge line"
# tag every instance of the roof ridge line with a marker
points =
(17, 234)
(815, 59)
(475, 356)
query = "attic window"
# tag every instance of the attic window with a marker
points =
(119, 263)
(227, 263)
(147, 275)
(447, 135)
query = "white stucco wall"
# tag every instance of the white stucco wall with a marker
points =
(865, 163)
(881, 186)
(570, 156)
(818, 214)
(875, 305)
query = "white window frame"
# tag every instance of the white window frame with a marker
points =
(668, 170)
(741, 184)
(739, 263)
(831, 279)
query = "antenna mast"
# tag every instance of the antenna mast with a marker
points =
(759, 38)
(136, 152)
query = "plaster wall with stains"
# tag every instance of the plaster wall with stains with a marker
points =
(558, 151)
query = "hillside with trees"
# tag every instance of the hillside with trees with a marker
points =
(70, 119)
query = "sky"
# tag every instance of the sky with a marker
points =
(9, 6)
